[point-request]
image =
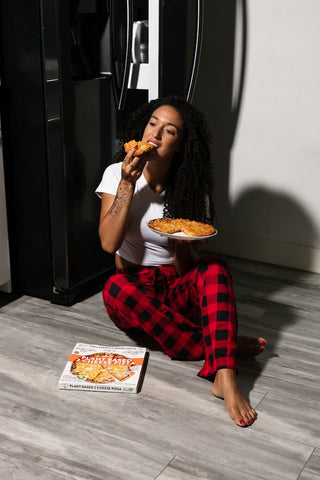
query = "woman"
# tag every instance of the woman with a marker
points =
(160, 286)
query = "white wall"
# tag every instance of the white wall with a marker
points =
(272, 209)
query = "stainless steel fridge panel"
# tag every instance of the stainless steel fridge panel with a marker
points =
(180, 28)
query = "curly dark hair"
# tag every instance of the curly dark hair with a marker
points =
(189, 191)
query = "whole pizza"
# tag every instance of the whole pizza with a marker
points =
(190, 228)
(103, 367)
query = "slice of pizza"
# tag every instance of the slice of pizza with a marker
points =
(196, 229)
(164, 225)
(120, 372)
(104, 377)
(120, 367)
(143, 147)
(88, 370)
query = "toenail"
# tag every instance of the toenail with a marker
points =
(241, 422)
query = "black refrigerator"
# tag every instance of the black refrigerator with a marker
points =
(61, 110)
(71, 73)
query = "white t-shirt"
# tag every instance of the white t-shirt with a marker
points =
(141, 245)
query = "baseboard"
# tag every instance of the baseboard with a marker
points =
(265, 250)
(6, 287)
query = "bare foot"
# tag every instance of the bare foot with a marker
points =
(225, 386)
(250, 346)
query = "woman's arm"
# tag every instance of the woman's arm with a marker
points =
(113, 217)
(115, 208)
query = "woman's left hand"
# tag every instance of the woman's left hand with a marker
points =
(185, 254)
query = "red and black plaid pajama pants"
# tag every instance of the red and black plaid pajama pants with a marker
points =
(165, 305)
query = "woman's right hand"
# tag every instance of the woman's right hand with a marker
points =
(132, 167)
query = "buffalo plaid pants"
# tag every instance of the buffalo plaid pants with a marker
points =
(166, 306)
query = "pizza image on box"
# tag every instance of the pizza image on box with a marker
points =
(103, 367)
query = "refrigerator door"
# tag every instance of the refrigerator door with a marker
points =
(62, 132)
(179, 46)
(140, 40)
(78, 116)
(121, 44)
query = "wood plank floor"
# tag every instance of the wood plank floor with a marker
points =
(174, 429)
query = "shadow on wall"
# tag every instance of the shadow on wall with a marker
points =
(274, 215)
(220, 83)
(271, 300)
(259, 212)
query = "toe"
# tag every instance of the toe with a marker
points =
(252, 415)
(248, 417)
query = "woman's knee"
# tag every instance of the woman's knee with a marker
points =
(112, 288)
(212, 262)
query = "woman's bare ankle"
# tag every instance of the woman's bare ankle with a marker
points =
(225, 386)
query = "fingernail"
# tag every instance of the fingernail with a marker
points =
(263, 342)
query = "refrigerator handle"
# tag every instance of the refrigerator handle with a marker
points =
(126, 70)
(197, 50)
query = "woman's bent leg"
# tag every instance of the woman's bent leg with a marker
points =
(210, 287)
(137, 300)
(219, 320)
(133, 302)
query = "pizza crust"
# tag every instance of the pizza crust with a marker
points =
(191, 228)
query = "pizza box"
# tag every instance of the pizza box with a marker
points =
(104, 368)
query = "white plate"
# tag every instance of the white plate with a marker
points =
(183, 236)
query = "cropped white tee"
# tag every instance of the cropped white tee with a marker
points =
(141, 245)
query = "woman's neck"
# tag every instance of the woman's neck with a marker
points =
(155, 176)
